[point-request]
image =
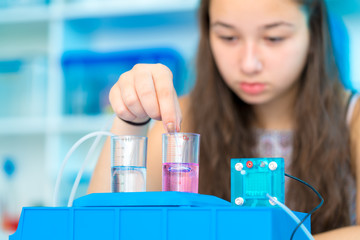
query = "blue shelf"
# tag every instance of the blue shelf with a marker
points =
(89, 76)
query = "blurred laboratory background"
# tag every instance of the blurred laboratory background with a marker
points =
(58, 60)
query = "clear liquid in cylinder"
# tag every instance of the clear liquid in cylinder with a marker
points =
(128, 179)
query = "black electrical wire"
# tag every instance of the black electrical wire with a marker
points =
(313, 210)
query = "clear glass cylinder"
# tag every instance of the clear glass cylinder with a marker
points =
(180, 157)
(128, 163)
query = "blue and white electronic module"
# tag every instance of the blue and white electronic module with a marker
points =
(253, 178)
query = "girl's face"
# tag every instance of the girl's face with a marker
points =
(260, 47)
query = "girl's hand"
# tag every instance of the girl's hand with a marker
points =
(145, 91)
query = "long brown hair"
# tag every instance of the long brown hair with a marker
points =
(321, 154)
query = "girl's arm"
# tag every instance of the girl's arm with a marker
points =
(352, 232)
(355, 154)
(348, 233)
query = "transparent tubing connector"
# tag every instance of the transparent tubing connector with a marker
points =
(128, 163)
(180, 157)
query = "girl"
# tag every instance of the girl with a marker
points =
(267, 86)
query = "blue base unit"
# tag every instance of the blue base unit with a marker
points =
(154, 215)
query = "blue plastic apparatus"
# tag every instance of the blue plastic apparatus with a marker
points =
(154, 215)
(253, 178)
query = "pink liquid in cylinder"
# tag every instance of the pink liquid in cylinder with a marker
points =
(181, 177)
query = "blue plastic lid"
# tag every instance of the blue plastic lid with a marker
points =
(149, 199)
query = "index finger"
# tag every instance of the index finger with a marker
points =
(165, 91)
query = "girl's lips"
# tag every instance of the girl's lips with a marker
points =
(252, 88)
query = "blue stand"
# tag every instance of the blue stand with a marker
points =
(154, 215)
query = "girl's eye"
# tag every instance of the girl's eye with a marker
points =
(229, 38)
(274, 39)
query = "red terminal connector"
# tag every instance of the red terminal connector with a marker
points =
(249, 164)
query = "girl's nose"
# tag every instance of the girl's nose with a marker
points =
(250, 62)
